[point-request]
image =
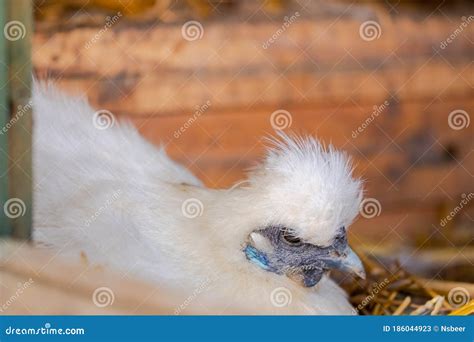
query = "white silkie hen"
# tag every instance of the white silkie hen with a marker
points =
(265, 245)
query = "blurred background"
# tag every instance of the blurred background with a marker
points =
(391, 82)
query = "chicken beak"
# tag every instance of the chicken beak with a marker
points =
(351, 263)
(348, 262)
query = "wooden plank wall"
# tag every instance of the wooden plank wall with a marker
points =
(319, 69)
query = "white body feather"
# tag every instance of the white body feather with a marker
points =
(115, 197)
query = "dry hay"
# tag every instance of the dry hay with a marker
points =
(393, 291)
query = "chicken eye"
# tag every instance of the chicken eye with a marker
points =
(291, 239)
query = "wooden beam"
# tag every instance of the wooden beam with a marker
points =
(19, 209)
(51, 285)
(4, 117)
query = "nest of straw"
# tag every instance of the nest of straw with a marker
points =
(390, 290)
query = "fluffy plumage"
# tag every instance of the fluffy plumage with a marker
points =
(122, 201)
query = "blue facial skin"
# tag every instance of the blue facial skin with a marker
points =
(291, 256)
(256, 257)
